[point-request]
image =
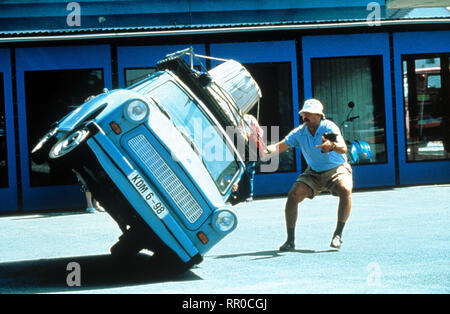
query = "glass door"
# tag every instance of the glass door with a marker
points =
(341, 83)
(51, 82)
(426, 101)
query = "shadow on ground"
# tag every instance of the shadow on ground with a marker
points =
(96, 272)
(271, 254)
(39, 214)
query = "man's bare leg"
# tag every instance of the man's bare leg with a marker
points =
(344, 192)
(297, 194)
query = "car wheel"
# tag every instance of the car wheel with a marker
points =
(127, 246)
(64, 149)
(169, 262)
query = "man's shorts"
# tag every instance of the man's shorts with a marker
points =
(327, 180)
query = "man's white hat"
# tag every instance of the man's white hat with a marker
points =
(313, 106)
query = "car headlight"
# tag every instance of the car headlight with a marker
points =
(137, 110)
(224, 220)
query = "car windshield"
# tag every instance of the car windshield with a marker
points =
(203, 135)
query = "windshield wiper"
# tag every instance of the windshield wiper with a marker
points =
(191, 142)
(161, 108)
(182, 131)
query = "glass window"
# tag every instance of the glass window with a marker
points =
(275, 110)
(426, 92)
(134, 75)
(341, 82)
(50, 95)
(198, 130)
(3, 151)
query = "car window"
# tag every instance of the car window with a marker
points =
(199, 131)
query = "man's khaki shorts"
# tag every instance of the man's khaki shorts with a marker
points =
(327, 180)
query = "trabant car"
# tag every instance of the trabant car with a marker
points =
(159, 162)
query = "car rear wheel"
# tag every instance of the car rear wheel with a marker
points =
(67, 149)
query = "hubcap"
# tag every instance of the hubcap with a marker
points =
(70, 142)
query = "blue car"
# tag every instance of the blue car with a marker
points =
(158, 160)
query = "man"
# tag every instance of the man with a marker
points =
(327, 170)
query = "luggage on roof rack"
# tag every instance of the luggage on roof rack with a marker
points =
(228, 90)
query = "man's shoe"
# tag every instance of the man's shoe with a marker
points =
(90, 210)
(336, 242)
(287, 246)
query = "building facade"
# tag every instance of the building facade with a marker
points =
(391, 62)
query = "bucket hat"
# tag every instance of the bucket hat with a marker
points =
(313, 106)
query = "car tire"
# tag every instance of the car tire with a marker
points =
(127, 246)
(169, 262)
(67, 149)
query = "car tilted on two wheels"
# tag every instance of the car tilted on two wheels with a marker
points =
(157, 157)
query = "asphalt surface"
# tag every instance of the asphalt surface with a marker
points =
(396, 241)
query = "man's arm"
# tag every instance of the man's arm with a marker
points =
(275, 149)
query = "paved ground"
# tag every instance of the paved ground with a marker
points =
(396, 241)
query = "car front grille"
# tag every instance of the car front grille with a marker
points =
(166, 177)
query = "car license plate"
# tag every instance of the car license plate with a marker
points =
(147, 194)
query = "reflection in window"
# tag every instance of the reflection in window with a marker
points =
(3, 151)
(196, 126)
(137, 74)
(50, 95)
(426, 91)
(275, 82)
(358, 80)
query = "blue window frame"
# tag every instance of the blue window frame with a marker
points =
(33, 60)
(358, 45)
(424, 46)
(8, 188)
